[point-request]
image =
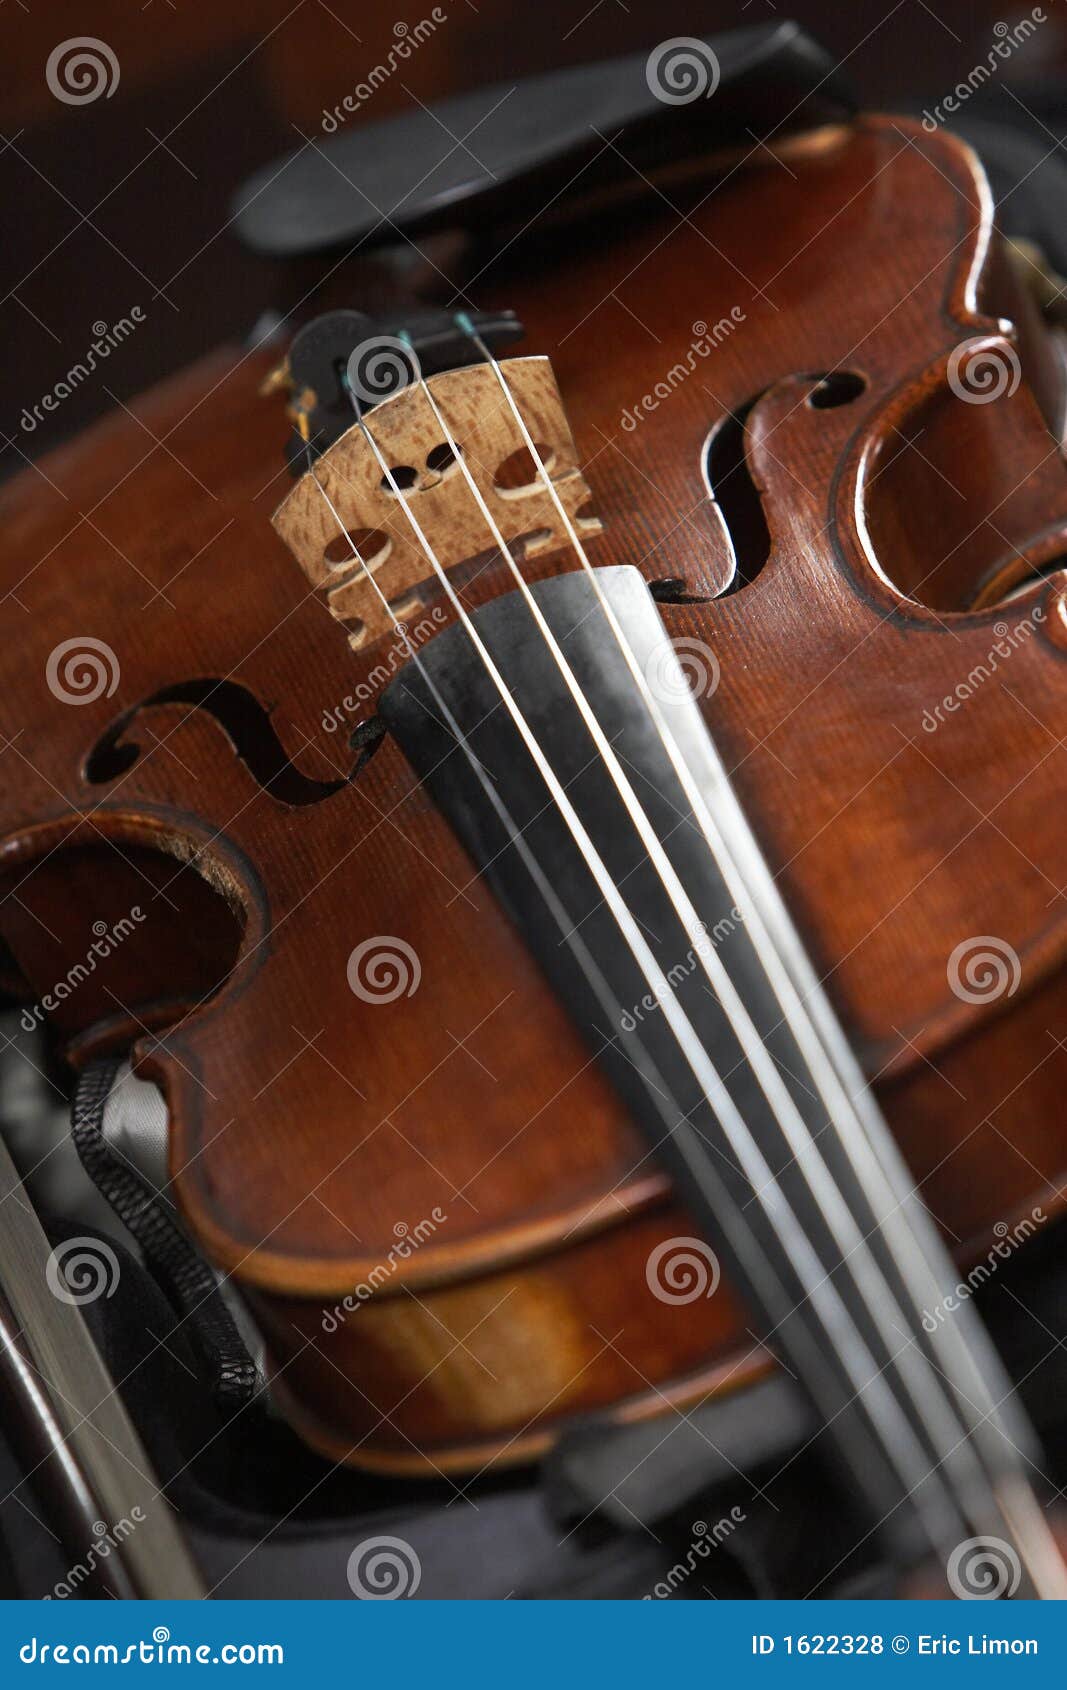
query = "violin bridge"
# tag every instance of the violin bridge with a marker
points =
(375, 536)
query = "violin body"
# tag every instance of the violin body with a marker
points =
(430, 1196)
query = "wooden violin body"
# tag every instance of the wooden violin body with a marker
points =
(430, 1197)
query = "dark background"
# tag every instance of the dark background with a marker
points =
(125, 201)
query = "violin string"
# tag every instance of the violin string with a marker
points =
(429, 552)
(785, 991)
(923, 1387)
(897, 1433)
(860, 1144)
(772, 1292)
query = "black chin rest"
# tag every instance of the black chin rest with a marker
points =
(469, 159)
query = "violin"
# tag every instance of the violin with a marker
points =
(561, 760)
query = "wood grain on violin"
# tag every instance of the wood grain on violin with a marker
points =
(872, 526)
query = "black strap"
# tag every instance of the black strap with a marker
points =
(169, 1253)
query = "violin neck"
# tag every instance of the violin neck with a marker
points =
(640, 888)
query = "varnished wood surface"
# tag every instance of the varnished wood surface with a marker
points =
(308, 1125)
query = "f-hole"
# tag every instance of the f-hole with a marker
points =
(839, 387)
(736, 498)
(247, 726)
